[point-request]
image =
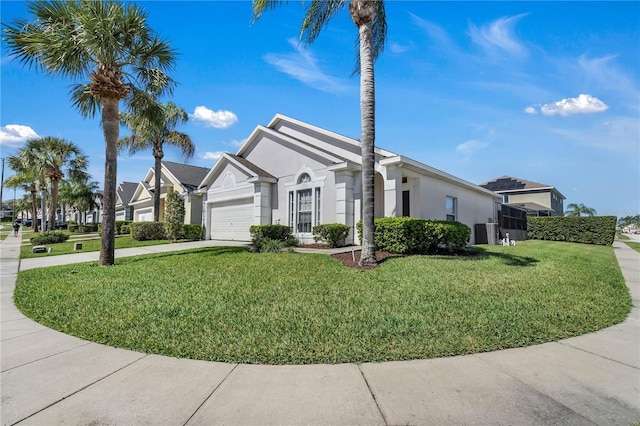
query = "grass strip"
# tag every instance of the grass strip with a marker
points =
(91, 244)
(227, 304)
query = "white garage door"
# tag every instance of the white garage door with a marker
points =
(145, 215)
(231, 220)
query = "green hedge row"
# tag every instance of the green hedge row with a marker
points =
(271, 237)
(49, 237)
(147, 231)
(331, 234)
(81, 229)
(408, 235)
(192, 232)
(599, 230)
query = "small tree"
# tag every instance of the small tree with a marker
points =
(174, 215)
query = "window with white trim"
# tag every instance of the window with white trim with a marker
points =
(305, 204)
(452, 207)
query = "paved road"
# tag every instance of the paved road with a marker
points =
(49, 378)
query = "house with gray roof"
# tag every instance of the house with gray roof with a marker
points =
(179, 177)
(536, 198)
(293, 173)
(124, 194)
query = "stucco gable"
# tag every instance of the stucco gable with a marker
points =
(241, 168)
(142, 192)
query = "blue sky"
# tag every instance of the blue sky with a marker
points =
(544, 91)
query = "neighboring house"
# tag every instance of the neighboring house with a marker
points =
(299, 175)
(175, 177)
(124, 194)
(536, 198)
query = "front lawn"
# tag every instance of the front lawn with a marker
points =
(633, 245)
(91, 244)
(227, 304)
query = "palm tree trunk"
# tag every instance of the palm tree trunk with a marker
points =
(43, 209)
(53, 204)
(157, 154)
(111, 130)
(34, 210)
(367, 123)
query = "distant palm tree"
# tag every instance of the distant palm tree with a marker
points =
(154, 133)
(104, 42)
(26, 181)
(578, 210)
(52, 157)
(369, 17)
(83, 196)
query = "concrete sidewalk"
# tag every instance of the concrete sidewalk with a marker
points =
(50, 378)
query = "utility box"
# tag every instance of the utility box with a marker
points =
(39, 249)
(486, 233)
(77, 246)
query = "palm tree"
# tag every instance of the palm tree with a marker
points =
(25, 181)
(104, 42)
(369, 17)
(578, 210)
(51, 157)
(84, 197)
(154, 133)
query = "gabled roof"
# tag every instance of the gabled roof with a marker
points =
(507, 184)
(125, 192)
(188, 176)
(241, 163)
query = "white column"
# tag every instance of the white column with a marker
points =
(393, 192)
(345, 202)
(262, 203)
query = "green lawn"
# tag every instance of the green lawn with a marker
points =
(633, 245)
(91, 244)
(227, 304)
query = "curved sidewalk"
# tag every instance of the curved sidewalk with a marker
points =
(49, 378)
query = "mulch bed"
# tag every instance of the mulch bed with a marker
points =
(351, 259)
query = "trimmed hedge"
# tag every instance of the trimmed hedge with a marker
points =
(49, 237)
(332, 234)
(81, 229)
(600, 230)
(271, 237)
(147, 231)
(192, 232)
(409, 235)
(122, 227)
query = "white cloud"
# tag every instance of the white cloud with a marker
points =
(531, 110)
(470, 147)
(237, 142)
(303, 66)
(398, 48)
(220, 119)
(583, 104)
(14, 135)
(618, 134)
(212, 155)
(498, 36)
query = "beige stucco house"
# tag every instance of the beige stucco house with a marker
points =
(537, 199)
(175, 177)
(300, 175)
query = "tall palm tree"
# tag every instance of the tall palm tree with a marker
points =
(369, 17)
(578, 210)
(26, 181)
(154, 133)
(109, 44)
(52, 157)
(84, 197)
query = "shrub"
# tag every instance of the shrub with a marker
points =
(174, 216)
(192, 232)
(261, 234)
(122, 227)
(49, 237)
(147, 231)
(332, 234)
(6, 219)
(587, 230)
(408, 235)
(73, 227)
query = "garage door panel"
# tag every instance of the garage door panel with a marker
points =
(231, 220)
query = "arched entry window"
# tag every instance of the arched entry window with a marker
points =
(305, 203)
